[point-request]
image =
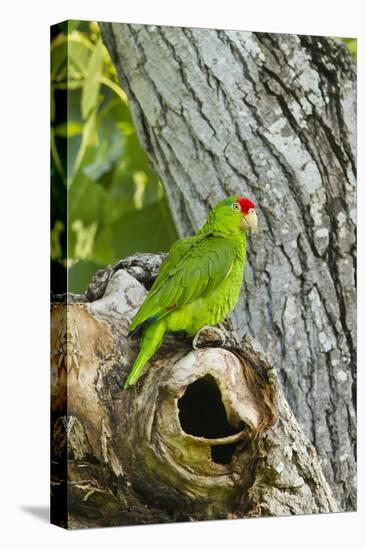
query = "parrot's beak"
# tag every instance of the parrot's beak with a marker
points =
(249, 221)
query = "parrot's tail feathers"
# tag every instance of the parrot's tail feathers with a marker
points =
(135, 372)
(151, 340)
(136, 331)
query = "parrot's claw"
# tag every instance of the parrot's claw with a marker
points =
(209, 337)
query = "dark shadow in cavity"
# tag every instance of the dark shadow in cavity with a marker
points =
(202, 414)
(222, 454)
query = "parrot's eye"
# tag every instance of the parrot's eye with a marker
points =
(236, 206)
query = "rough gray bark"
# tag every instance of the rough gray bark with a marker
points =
(160, 451)
(274, 117)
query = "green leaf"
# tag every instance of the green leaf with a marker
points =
(72, 25)
(58, 56)
(113, 86)
(56, 248)
(69, 85)
(126, 128)
(89, 97)
(85, 236)
(80, 275)
(105, 156)
(70, 49)
(74, 36)
(79, 56)
(86, 206)
(86, 201)
(73, 166)
(69, 25)
(146, 228)
(55, 155)
(69, 129)
(53, 104)
(351, 43)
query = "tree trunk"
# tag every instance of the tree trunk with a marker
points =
(206, 433)
(272, 116)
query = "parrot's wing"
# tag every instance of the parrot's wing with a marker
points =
(192, 269)
(177, 253)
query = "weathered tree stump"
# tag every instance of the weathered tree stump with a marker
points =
(206, 432)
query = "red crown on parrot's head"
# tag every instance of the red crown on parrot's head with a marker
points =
(245, 204)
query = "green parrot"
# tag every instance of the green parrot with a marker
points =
(199, 282)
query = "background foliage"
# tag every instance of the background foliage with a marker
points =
(115, 202)
(104, 193)
(351, 44)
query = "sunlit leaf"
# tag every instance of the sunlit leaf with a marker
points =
(113, 86)
(140, 180)
(67, 50)
(126, 128)
(89, 97)
(79, 57)
(94, 27)
(85, 236)
(351, 43)
(68, 129)
(72, 25)
(74, 36)
(56, 248)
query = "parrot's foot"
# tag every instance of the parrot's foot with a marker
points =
(209, 337)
